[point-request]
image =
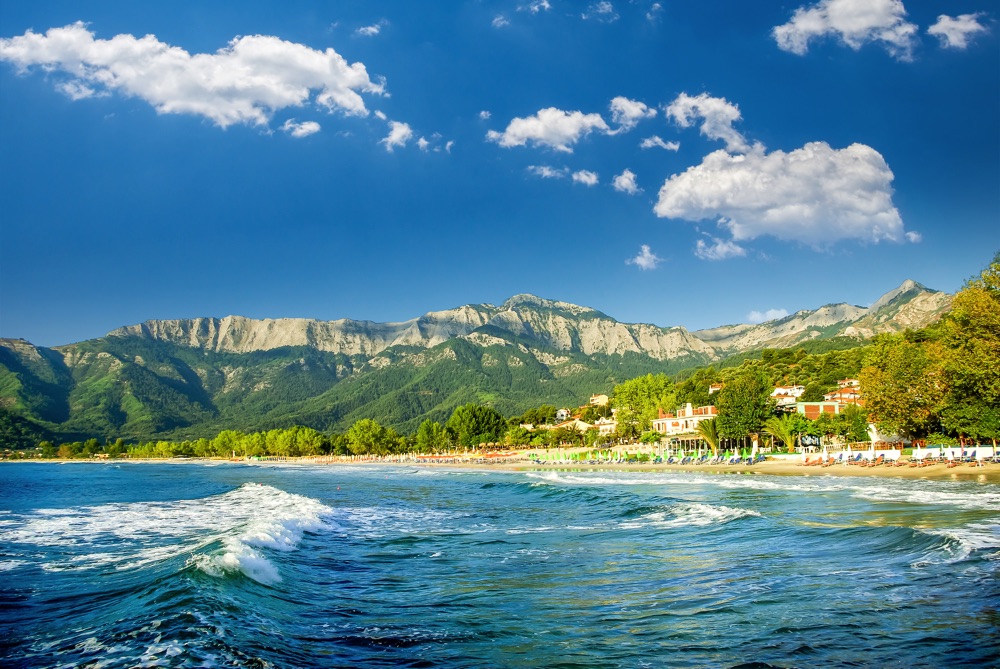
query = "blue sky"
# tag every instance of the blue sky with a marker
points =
(695, 163)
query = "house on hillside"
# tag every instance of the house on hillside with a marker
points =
(599, 400)
(848, 383)
(685, 420)
(714, 388)
(563, 415)
(786, 396)
(844, 395)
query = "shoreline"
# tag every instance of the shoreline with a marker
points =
(988, 473)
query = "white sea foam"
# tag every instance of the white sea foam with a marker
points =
(963, 541)
(125, 536)
(689, 515)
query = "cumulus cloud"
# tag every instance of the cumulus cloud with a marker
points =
(548, 172)
(423, 144)
(484, 115)
(627, 113)
(914, 237)
(657, 142)
(955, 32)
(854, 22)
(399, 135)
(717, 116)
(764, 316)
(625, 183)
(816, 195)
(303, 129)
(551, 127)
(719, 249)
(500, 21)
(244, 82)
(585, 177)
(601, 11)
(372, 30)
(645, 260)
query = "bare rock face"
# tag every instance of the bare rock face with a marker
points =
(550, 324)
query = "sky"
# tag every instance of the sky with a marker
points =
(674, 163)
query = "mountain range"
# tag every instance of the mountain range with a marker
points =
(194, 377)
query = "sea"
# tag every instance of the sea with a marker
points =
(283, 565)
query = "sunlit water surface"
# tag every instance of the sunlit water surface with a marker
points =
(190, 565)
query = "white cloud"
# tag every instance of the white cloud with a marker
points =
(299, 130)
(372, 30)
(448, 145)
(720, 249)
(423, 144)
(399, 135)
(244, 82)
(657, 141)
(484, 115)
(717, 115)
(548, 172)
(914, 237)
(601, 11)
(500, 21)
(645, 260)
(764, 316)
(654, 12)
(954, 32)
(627, 113)
(76, 90)
(535, 6)
(625, 183)
(550, 127)
(815, 195)
(380, 115)
(585, 177)
(855, 22)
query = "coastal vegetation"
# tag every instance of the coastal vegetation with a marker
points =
(940, 382)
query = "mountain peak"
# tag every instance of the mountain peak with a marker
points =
(529, 300)
(908, 287)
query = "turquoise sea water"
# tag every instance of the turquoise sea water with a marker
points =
(233, 565)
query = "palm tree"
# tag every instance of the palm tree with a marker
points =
(709, 431)
(783, 429)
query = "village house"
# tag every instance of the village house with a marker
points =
(787, 396)
(563, 415)
(599, 400)
(606, 427)
(714, 388)
(685, 420)
(844, 395)
(848, 383)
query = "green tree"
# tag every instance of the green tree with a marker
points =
(970, 357)
(473, 424)
(367, 436)
(709, 431)
(638, 400)
(903, 385)
(431, 437)
(744, 404)
(784, 428)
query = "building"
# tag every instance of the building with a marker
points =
(563, 415)
(606, 427)
(848, 383)
(714, 388)
(685, 420)
(786, 396)
(575, 424)
(812, 410)
(599, 400)
(844, 395)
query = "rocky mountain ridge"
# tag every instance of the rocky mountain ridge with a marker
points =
(559, 325)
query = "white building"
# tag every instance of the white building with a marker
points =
(684, 421)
